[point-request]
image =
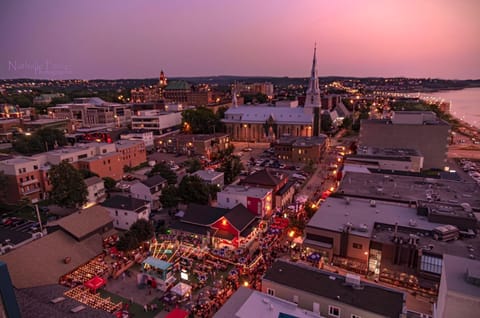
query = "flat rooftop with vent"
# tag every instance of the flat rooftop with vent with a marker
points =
(378, 220)
(409, 188)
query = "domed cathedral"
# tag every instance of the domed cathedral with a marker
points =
(268, 123)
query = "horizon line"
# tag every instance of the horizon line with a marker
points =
(245, 76)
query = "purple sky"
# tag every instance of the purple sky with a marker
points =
(136, 39)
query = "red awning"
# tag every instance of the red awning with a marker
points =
(95, 283)
(177, 313)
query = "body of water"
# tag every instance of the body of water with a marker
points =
(464, 104)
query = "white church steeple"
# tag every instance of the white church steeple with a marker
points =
(234, 96)
(312, 99)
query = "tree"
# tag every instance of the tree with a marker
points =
(193, 190)
(143, 230)
(164, 170)
(200, 120)
(51, 137)
(40, 141)
(109, 183)
(68, 187)
(169, 197)
(127, 242)
(326, 122)
(231, 167)
(347, 122)
(193, 165)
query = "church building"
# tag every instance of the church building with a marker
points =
(266, 123)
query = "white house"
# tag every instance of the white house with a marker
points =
(126, 210)
(149, 190)
(96, 190)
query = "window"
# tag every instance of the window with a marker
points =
(354, 316)
(126, 213)
(356, 245)
(334, 311)
(271, 292)
(116, 214)
(431, 264)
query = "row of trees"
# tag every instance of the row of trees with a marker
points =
(42, 140)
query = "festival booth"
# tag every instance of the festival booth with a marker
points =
(95, 283)
(182, 289)
(156, 273)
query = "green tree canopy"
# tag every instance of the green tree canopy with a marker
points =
(193, 165)
(164, 170)
(68, 187)
(200, 120)
(193, 190)
(143, 230)
(169, 197)
(127, 242)
(40, 141)
(231, 167)
(109, 183)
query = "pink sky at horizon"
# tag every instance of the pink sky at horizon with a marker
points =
(136, 39)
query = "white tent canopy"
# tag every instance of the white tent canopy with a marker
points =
(181, 289)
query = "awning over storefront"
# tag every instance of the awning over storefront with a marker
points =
(157, 263)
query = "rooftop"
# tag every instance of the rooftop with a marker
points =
(125, 143)
(93, 180)
(17, 160)
(336, 212)
(247, 303)
(124, 203)
(387, 302)
(260, 114)
(84, 222)
(203, 214)
(49, 251)
(44, 121)
(302, 141)
(36, 302)
(253, 192)
(386, 152)
(455, 269)
(208, 174)
(263, 177)
(240, 217)
(409, 188)
(154, 180)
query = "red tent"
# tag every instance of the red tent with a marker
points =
(95, 283)
(177, 313)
